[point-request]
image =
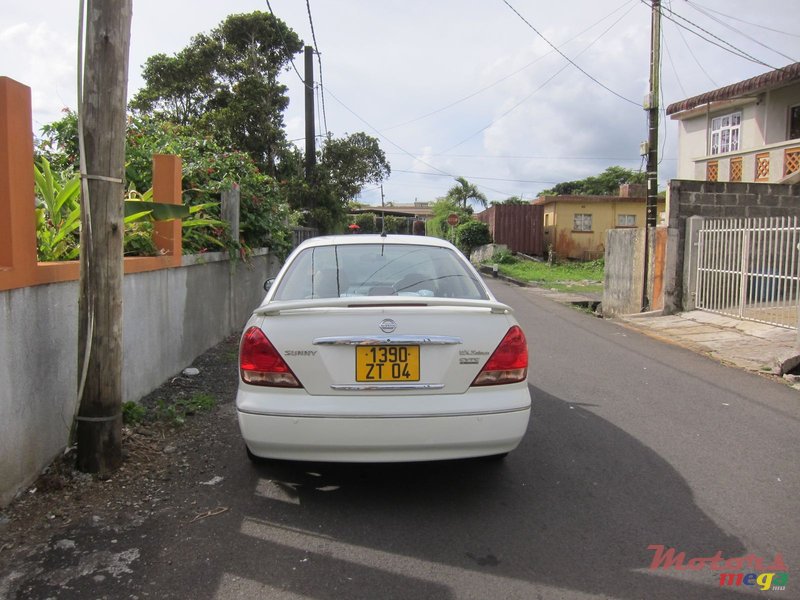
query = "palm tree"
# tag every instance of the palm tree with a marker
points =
(464, 192)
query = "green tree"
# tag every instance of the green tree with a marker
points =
(59, 143)
(226, 83)
(350, 163)
(605, 184)
(465, 191)
(344, 167)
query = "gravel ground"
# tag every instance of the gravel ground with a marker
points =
(162, 462)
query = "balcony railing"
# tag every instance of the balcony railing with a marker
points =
(767, 164)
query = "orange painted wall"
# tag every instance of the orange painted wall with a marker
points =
(18, 263)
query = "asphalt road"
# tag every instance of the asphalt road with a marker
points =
(632, 443)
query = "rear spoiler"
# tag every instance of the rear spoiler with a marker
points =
(276, 308)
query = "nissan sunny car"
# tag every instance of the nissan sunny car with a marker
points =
(371, 348)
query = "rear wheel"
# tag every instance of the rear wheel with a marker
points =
(253, 458)
(495, 457)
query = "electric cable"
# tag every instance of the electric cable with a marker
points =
(672, 64)
(731, 17)
(86, 234)
(478, 177)
(319, 61)
(502, 79)
(403, 150)
(730, 47)
(524, 157)
(743, 34)
(538, 89)
(289, 55)
(692, 54)
(605, 87)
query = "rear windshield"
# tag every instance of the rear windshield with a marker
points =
(378, 270)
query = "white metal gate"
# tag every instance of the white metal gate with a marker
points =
(750, 269)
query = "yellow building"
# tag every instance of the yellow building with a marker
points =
(575, 226)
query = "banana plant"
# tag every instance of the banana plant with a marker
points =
(195, 222)
(58, 219)
(58, 214)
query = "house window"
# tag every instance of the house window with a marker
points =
(547, 220)
(626, 220)
(794, 122)
(725, 133)
(582, 222)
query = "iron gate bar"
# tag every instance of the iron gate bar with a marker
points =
(748, 269)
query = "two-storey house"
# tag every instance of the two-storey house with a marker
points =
(748, 131)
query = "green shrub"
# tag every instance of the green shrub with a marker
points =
(504, 257)
(133, 413)
(471, 235)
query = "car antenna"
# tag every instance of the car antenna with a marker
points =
(383, 216)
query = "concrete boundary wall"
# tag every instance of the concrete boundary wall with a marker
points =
(624, 274)
(711, 199)
(170, 317)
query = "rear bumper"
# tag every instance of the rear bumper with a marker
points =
(382, 439)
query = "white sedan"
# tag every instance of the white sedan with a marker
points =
(371, 348)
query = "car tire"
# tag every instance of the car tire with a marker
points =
(253, 458)
(495, 457)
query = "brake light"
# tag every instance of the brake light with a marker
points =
(261, 364)
(508, 363)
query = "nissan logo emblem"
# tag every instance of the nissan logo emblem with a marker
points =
(387, 326)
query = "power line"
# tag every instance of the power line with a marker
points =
(286, 47)
(502, 79)
(319, 61)
(403, 150)
(534, 157)
(749, 37)
(525, 99)
(731, 17)
(692, 54)
(605, 87)
(478, 177)
(730, 47)
(672, 64)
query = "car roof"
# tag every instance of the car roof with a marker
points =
(369, 238)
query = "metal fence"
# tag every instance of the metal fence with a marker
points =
(750, 269)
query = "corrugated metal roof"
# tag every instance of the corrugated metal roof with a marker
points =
(773, 79)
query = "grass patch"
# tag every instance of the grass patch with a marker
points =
(173, 413)
(571, 276)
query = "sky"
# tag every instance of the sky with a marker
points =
(470, 88)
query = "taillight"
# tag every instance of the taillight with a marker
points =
(260, 363)
(508, 363)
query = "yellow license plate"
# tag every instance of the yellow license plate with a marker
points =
(387, 363)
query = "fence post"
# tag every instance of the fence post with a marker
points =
(167, 190)
(691, 255)
(230, 210)
(17, 216)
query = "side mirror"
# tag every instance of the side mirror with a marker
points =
(268, 283)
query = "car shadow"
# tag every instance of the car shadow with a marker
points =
(573, 509)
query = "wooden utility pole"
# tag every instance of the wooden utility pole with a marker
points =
(652, 113)
(652, 106)
(311, 147)
(103, 121)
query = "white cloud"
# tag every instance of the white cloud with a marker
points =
(390, 63)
